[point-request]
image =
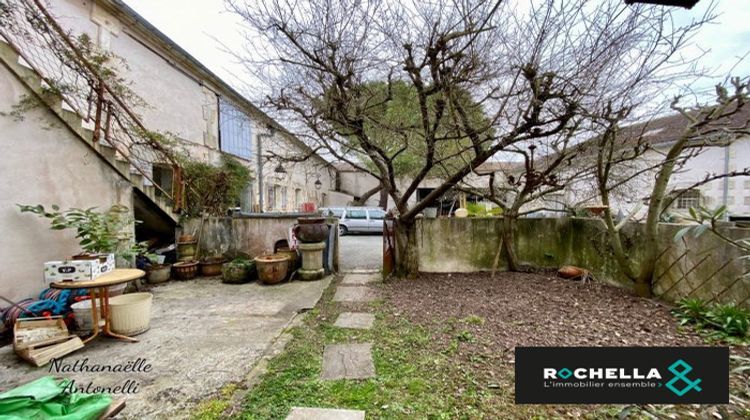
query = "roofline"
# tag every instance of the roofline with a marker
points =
(124, 12)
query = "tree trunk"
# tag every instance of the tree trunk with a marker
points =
(407, 255)
(510, 226)
(383, 202)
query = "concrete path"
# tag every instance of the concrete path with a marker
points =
(304, 413)
(359, 279)
(204, 335)
(364, 251)
(359, 320)
(348, 361)
(354, 294)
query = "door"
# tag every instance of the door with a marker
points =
(376, 221)
(356, 220)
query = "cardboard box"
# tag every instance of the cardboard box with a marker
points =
(77, 270)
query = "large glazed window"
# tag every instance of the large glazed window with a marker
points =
(235, 130)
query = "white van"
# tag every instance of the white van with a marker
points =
(357, 219)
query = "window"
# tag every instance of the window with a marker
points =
(235, 130)
(284, 198)
(297, 198)
(336, 212)
(356, 214)
(271, 199)
(247, 198)
(688, 199)
(377, 214)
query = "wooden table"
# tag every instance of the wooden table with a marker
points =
(99, 288)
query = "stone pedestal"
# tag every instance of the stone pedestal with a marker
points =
(312, 260)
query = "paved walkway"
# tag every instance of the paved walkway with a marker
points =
(363, 251)
(346, 360)
(204, 335)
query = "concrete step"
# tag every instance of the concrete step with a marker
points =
(87, 134)
(137, 180)
(106, 150)
(72, 119)
(123, 166)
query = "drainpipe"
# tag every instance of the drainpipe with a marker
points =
(259, 162)
(725, 197)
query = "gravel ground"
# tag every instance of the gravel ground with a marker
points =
(539, 310)
(480, 320)
(361, 251)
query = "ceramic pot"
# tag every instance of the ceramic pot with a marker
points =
(159, 273)
(238, 272)
(311, 229)
(292, 254)
(211, 267)
(186, 250)
(272, 269)
(185, 270)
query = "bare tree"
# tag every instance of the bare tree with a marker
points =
(534, 70)
(708, 126)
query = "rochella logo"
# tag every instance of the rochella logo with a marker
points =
(601, 373)
(679, 369)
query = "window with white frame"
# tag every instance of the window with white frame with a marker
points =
(688, 199)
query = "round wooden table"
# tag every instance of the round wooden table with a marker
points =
(98, 288)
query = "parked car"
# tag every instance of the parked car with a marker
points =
(357, 219)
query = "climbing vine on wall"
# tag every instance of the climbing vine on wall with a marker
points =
(214, 189)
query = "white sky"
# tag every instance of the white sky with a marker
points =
(201, 26)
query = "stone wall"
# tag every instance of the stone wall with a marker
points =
(701, 267)
(250, 235)
(43, 162)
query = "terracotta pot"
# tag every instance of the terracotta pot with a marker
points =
(211, 267)
(159, 273)
(186, 238)
(571, 272)
(186, 250)
(238, 272)
(292, 254)
(311, 229)
(272, 269)
(185, 270)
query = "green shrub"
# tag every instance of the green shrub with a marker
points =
(727, 320)
(691, 311)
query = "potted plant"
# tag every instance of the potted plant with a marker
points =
(185, 270)
(272, 269)
(157, 272)
(239, 270)
(99, 233)
(211, 266)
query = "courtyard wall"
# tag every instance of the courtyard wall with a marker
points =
(703, 267)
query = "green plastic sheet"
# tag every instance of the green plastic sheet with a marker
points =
(47, 398)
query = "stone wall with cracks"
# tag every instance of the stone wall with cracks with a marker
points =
(703, 267)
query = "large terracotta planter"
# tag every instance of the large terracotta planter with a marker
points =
(211, 267)
(158, 273)
(238, 272)
(292, 254)
(311, 229)
(272, 269)
(185, 270)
